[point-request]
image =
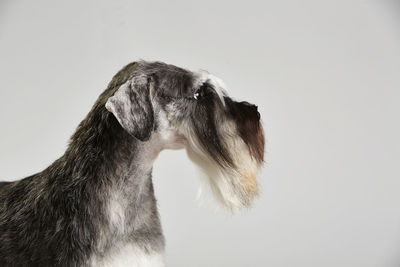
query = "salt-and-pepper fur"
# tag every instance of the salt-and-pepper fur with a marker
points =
(95, 205)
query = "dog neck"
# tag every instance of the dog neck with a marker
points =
(114, 172)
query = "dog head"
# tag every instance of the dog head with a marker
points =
(192, 110)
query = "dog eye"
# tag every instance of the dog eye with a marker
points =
(199, 94)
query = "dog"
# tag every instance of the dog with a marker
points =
(95, 205)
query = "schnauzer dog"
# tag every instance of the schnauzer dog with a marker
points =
(95, 205)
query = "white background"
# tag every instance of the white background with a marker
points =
(326, 78)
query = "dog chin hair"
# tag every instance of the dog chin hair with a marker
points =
(234, 188)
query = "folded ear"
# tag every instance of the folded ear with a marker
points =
(132, 107)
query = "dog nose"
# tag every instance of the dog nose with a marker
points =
(249, 105)
(256, 110)
(253, 108)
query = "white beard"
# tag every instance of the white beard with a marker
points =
(233, 188)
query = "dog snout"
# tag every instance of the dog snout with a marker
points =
(257, 112)
(253, 108)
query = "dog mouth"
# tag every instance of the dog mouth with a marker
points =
(232, 183)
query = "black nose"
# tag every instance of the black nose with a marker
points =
(258, 113)
(249, 104)
(253, 108)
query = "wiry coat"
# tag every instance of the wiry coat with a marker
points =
(95, 205)
(57, 217)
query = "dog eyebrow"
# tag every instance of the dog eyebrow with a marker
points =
(216, 83)
(221, 93)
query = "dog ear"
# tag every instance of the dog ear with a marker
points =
(131, 105)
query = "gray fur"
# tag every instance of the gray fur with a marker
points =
(132, 107)
(61, 215)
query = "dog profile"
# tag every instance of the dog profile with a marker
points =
(95, 205)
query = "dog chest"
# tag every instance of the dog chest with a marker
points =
(129, 255)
